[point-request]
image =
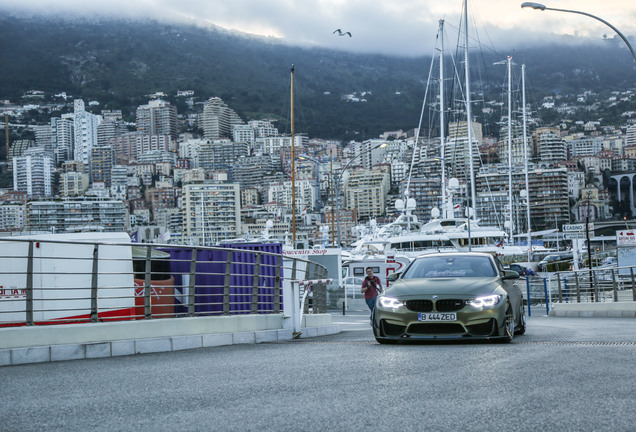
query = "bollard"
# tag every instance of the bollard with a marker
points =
(343, 308)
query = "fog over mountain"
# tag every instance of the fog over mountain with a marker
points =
(119, 62)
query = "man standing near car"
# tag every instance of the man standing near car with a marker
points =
(371, 286)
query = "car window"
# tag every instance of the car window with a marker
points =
(450, 266)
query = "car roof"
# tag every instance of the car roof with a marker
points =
(455, 253)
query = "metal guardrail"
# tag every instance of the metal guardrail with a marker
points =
(601, 284)
(46, 282)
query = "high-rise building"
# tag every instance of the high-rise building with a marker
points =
(457, 151)
(218, 119)
(158, 118)
(76, 215)
(130, 145)
(33, 172)
(102, 161)
(73, 183)
(551, 147)
(64, 138)
(12, 216)
(549, 193)
(212, 212)
(85, 132)
(366, 191)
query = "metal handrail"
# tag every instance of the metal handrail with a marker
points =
(67, 281)
(601, 284)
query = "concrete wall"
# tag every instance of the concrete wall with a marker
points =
(20, 345)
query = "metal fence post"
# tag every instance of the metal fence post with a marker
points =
(578, 287)
(547, 300)
(226, 284)
(615, 287)
(255, 282)
(528, 298)
(277, 284)
(94, 277)
(192, 295)
(148, 285)
(631, 270)
(29, 286)
(559, 285)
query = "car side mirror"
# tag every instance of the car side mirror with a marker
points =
(393, 277)
(510, 274)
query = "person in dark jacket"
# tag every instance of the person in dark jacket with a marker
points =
(371, 287)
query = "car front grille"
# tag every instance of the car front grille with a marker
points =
(419, 305)
(435, 328)
(449, 305)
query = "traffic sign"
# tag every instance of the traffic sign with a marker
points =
(573, 228)
(573, 235)
(578, 227)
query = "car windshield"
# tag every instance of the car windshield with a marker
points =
(450, 266)
(552, 258)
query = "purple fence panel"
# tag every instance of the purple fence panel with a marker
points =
(243, 266)
(210, 278)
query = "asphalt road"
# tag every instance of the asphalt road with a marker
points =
(565, 374)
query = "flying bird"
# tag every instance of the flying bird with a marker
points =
(340, 33)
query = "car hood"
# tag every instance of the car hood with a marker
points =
(465, 286)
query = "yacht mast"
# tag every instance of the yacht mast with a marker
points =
(525, 157)
(510, 215)
(293, 162)
(441, 119)
(469, 127)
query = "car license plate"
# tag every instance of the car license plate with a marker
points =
(436, 316)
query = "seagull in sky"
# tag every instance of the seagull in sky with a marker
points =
(340, 33)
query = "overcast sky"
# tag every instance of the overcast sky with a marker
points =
(403, 27)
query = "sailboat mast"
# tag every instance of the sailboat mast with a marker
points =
(293, 162)
(441, 117)
(511, 239)
(469, 127)
(525, 156)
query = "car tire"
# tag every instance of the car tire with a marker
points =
(508, 332)
(386, 341)
(521, 329)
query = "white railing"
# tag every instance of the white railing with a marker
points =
(44, 282)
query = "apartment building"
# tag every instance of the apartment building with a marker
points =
(212, 212)
(33, 172)
(76, 215)
(158, 117)
(366, 191)
(218, 119)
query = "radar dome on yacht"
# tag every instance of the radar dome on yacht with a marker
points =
(453, 183)
(399, 204)
(269, 224)
(435, 213)
(411, 204)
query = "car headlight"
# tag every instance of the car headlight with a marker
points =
(390, 302)
(485, 301)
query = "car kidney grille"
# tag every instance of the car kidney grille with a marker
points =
(419, 305)
(449, 305)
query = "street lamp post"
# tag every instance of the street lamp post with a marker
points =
(539, 6)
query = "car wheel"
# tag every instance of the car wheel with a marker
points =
(509, 325)
(521, 329)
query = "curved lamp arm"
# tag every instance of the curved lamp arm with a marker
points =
(539, 6)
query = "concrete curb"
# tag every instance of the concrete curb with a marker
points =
(594, 310)
(79, 351)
